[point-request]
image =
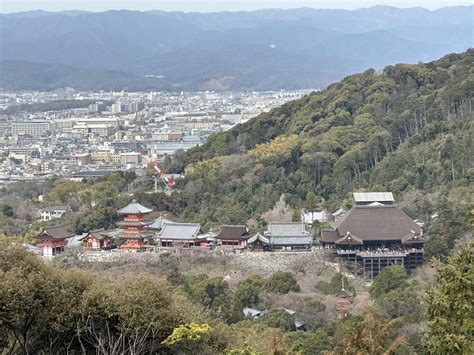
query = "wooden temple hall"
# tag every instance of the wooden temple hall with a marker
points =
(374, 234)
(53, 240)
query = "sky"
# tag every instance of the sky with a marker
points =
(211, 5)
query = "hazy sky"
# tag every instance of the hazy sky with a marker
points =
(210, 5)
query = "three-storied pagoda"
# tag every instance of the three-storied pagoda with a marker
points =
(133, 225)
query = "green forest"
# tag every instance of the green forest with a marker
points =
(408, 129)
(59, 308)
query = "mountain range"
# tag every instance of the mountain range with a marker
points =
(260, 50)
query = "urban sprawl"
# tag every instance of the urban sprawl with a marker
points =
(115, 130)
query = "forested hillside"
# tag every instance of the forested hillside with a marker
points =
(407, 130)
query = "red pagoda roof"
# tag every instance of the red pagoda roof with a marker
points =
(132, 223)
(134, 235)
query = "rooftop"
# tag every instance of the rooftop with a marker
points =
(183, 231)
(55, 208)
(134, 208)
(54, 232)
(233, 232)
(289, 229)
(368, 197)
(373, 223)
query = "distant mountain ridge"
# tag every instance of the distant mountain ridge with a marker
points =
(264, 49)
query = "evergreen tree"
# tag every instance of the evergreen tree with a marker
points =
(450, 306)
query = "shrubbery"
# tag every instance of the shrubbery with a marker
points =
(247, 293)
(282, 282)
(334, 286)
(390, 278)
(279, 318)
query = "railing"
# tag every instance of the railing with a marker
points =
(379, 253)
(391, 253)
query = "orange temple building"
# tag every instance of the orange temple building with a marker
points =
(133, 226)
(53, 240)
(96, 240)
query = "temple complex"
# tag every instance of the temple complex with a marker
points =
(374, 234)
(133, 231)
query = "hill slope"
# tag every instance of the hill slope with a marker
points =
(407, 130)
(20, 75)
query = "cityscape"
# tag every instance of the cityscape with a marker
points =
(114, 131)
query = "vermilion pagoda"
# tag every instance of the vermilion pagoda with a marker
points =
(133, 226)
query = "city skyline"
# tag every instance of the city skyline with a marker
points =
(9, 6)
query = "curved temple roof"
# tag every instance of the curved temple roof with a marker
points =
(182, 231)
(134, 208)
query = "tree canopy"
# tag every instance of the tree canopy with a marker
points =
(404, 130)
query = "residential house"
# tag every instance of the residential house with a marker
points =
(319, 216)
(53, 212)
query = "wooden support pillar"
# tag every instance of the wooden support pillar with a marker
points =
(364, 268)
(371, 268)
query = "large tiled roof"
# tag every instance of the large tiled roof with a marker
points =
(132, 223)
(54, 232)
(183, 231)
(372, 223)
(125, 235)
(233, 232)
(290, 229)
(329, 235)
(134, 208)
(292, 240)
